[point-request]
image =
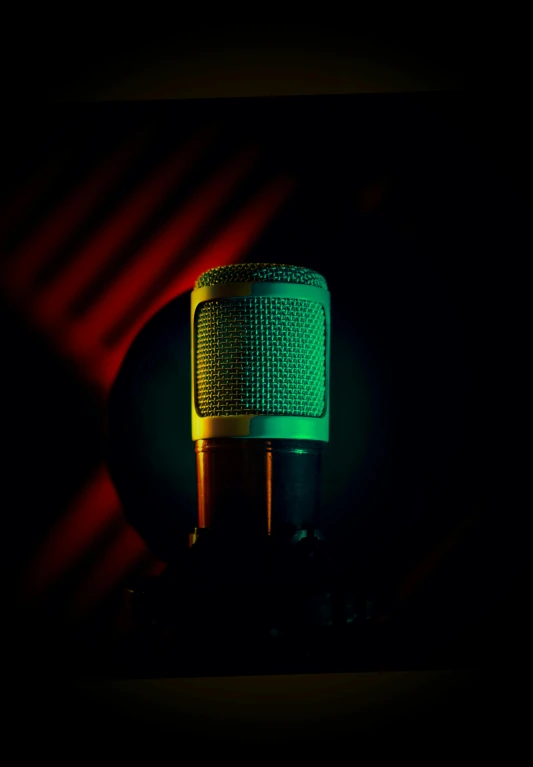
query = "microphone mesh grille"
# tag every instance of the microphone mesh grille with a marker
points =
(223, 275)
(260, 355)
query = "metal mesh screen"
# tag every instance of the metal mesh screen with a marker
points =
(261, 355)
(298, 275)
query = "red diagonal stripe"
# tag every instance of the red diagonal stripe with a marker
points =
(99, 505)
(67, 217)
(125, 554)
(153, 566)
(22, 199)
(228, 247)
(99, 251)
(90, 515)
(429, 564)
(130, 285)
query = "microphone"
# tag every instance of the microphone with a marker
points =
(260, 360)
(259, 590)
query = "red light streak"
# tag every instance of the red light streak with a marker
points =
(88, 517)
(129, 286)
(229, 246)
(24, 264)
(21, 201)
(435, 558)
(53, 303)
(98, 506)
(127, 552)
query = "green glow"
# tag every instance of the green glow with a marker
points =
(260, 355)
(260, 361)
(289, 427)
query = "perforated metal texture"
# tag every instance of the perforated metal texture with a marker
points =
(261, 355)
(298, 275)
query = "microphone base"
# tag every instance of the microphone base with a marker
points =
(272, 607)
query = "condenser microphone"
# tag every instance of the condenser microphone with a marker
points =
(259, 586)
(260, 352)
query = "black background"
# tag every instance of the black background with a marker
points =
(435, 316)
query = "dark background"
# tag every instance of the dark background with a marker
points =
(415, 207)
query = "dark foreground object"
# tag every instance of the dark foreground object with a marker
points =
(236, 608)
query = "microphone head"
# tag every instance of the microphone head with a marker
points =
(260, 339)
